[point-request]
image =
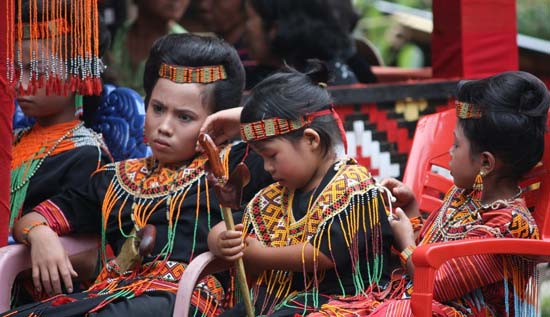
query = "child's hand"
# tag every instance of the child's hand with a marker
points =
(51, 266)
(222, 126)
(230, 244)
(404, 196)
(402, 230)
(402, 193)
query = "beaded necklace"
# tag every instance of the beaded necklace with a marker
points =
(142, 210)
(447, 224)
(22, 174)
(502, 202)
(147, 188)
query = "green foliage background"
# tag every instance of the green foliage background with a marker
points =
(533, 19)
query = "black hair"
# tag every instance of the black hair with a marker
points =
(193, 50)
(345, 14)
(304, 29)
(289, 94)
(514, 109)
(91, 103)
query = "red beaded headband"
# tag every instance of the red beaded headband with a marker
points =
(466, 110)
(199, 75)
(267, 128)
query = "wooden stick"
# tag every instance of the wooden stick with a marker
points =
(217, 168)
(239, 265)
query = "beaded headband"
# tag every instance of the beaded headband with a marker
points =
(199, 75)
(466, 110)
(44, 30)
(263, 129)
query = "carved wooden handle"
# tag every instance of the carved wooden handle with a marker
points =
(216, 165)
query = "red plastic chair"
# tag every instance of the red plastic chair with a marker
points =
(429, 156)
(433, 137)
(16, 258)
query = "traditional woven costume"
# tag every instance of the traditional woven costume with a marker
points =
(344, 218)
(478, 285)
(127, 195)
(47, 160)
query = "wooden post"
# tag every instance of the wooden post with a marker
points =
(474, 38)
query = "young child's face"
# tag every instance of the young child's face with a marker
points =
(40, 105)
(292, 164)
(463, 165)
(175, 114)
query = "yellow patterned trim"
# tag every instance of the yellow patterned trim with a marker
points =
(466, 110)
(259, 130)
(269, 210)
(199, 75)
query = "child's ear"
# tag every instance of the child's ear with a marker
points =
(312, 138)
(488, 162)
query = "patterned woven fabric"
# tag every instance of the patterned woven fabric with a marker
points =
(479, 285)
(345, 217)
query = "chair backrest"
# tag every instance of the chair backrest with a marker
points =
(429, 159)
(536, 190)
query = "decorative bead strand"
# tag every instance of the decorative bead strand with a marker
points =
(56, 144)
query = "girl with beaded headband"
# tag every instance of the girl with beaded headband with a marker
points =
(321, 231)
(186, 78)
(499, 137)
(58, 151)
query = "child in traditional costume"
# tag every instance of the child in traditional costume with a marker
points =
(499, 137)
(187, 77)
(322, 229)
(57, 152)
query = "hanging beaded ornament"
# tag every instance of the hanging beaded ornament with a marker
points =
(68, 60)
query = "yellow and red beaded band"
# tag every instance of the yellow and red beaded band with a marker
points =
(406, 254)
(263, 129)
(465, 110)
(197, 75)
(44, 30)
